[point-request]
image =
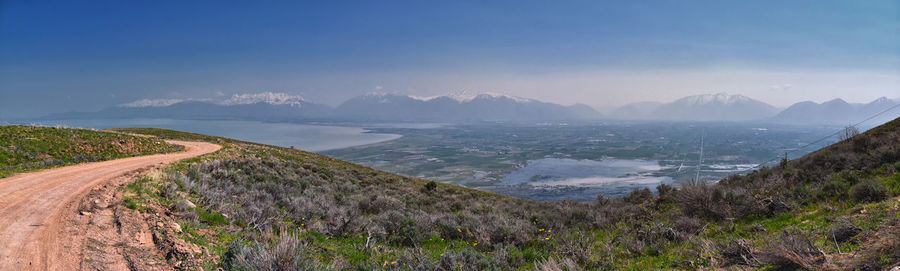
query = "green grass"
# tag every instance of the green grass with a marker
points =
(211, 217)
(30, 148)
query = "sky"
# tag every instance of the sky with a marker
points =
(58, 56)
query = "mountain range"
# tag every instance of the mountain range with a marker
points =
(705, 107)
(838, 112)
(724, 107)
(257, 106)
(480, 107)
(370, 107)
(464, 107)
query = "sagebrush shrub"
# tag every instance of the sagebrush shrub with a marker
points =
(738, 251)
(835, 187)
(638, 196)
(287, 253)
(870, 190)
(843, 230)
(792, 250)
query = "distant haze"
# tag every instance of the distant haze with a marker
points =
(61, 56)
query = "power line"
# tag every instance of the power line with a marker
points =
(826, 137)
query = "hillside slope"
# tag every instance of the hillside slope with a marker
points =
(257, 207)
(29, 148)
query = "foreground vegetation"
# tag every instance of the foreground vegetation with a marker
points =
(28, 148)
(257, 207)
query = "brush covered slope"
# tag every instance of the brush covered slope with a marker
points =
(28, 148)
(257, 207)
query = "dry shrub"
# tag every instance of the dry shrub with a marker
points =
(738, 251)
(603, 200)
(465, 260)
(716, 202)
(551, 264)
(650, 240)
(638, 196)
(870, 190)
(698, 200)
(688, 225)
(792, 250)
(842, 230)
(376, 205)
(286, 253)
(576, 246)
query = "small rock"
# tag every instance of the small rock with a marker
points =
(96, 201)
(85, 213)
(189, 204)
(176, 227)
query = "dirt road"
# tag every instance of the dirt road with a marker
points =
(33, 207)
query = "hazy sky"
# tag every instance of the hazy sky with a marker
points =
(86, 55)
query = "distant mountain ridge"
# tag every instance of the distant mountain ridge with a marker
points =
(704, 107)
(837, 112)
(269, 106)
(206, 110)
(465, 107)
(481, 107)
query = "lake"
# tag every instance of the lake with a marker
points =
(314, 138)
(555, 178)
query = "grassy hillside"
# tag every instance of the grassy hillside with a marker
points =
(256, 207)
(28, 148)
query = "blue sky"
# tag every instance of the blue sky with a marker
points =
(85, 55)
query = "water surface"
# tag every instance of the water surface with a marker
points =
(315, 138)
(555, 178)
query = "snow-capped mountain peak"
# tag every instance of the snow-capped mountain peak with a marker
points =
(704, 107)
(275, 98)
(459, 106)
(718, 98)
(151, 103)
(468, 96)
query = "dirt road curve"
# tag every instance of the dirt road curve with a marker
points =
(32, 206)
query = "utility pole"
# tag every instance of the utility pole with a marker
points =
(700, 161)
